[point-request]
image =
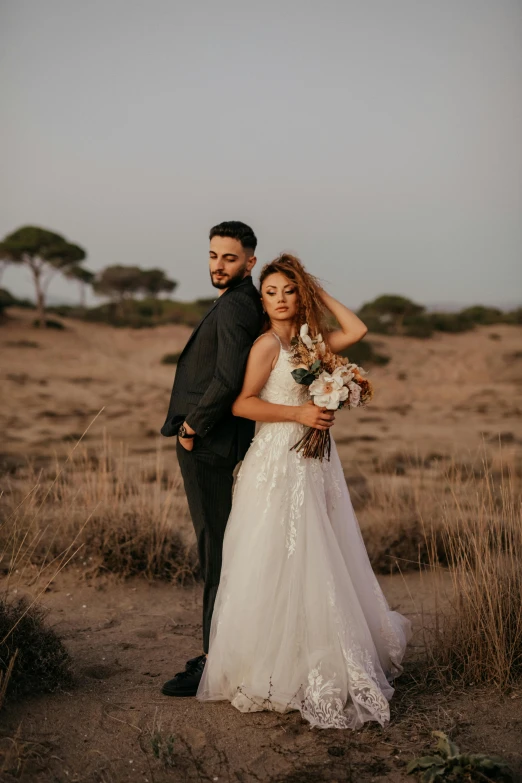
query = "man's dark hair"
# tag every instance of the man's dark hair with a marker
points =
(235, 229)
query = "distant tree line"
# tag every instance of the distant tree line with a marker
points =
(134, 295)
(397, 315)
(46, 253)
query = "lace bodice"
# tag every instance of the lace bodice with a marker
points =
(280, 387)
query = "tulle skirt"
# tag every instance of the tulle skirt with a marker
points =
(300, 621)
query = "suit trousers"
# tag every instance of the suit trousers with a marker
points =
(208, 480)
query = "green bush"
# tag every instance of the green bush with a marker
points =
(418, 326)
(139, 313)
(451, 322)
(377, 324)
(171, 358)
(6, 300)
(50, 323)
(479, 314)
(27, 304)
(514, 316)
(363, 353)
(65, 311)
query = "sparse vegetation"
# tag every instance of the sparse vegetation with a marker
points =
(171, 358)
(397, 315)
(105, 512)
(140, 313)
(6, 300)
(477, 637)
(50, 323)
(365, 352)
(123, 518)
(33, 658)
(448, 763)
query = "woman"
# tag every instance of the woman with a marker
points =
(300, 622)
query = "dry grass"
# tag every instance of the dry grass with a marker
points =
(408, 504)
(477, 636)
(462, 524)
(107, 512)
(127, 516)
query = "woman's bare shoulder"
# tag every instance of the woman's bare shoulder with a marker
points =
(266, 346)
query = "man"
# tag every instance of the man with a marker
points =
(210, 440)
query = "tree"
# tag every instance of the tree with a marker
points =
(155, 282)
(118, 283)
(45, 253)
(84, 277)
(390, 308)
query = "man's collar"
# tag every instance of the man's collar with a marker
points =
(246, 282)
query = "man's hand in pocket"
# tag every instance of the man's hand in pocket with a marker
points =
(187, 443)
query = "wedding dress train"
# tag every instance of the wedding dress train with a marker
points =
(300, 621)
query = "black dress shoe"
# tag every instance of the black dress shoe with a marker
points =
(195, 661)
(186, 683)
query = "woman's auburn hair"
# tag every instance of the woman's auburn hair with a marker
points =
(310, 309)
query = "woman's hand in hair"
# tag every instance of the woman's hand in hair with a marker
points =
(352, 328)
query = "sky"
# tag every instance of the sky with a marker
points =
(379, 141)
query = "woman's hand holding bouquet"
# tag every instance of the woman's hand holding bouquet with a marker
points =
(333, 382)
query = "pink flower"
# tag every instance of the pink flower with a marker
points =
(355, 394)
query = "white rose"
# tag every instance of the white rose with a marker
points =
(303, 334)
(343, 373)
(328, 391)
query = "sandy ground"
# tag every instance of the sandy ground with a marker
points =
(446, 395)
(450, 396)
(126, 639)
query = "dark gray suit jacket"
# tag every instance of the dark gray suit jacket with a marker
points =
(210, 371)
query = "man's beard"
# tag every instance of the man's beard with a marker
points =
(228, 281)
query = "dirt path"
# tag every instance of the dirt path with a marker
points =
(115, 726)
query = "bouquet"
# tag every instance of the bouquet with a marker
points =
(333, 382)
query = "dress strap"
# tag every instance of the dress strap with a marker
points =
(273, 334)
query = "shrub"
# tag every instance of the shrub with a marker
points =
(6, 300)
(514, 316)
(139, 313)
(171, 358)
(389, 311)
(42, 663)
(448, 763)
(50, 323)
(451, 322)
(363, 353)
(418, 326)
(27, 304)
(65, 311)
(377, 324)
(479, 314)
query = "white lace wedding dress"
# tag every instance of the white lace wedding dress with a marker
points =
(300, 621)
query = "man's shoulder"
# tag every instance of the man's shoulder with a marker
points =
(243, 298)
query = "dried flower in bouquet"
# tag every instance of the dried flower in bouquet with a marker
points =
(333, 382)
